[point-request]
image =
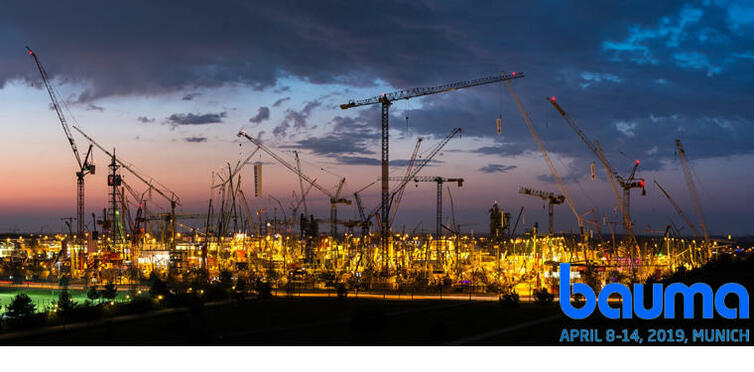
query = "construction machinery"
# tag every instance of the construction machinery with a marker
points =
(86, 165)
(385, 100)
(553, 171)
(151, 183)
(692, 192)
(628, 183)
(439, 181)
(613, 176)
(409, 167)
(405, 180)
(552, 200)
(335, 198)
(678, 210)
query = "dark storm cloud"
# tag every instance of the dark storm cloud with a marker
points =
(497, 168)
(195, 139)
(263, 113)
(196, 119)
(145, 119)
(636, 76)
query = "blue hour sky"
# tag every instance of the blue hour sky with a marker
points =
(169, 84)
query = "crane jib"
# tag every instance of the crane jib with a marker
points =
(417, 92)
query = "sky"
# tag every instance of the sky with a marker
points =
(168, 85)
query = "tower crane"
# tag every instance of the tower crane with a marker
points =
(612, 175)
(385, 100)
(439, 181)
(151, 184)
(626, 183)
(550, 197)
(335, 198)
(415, 171)
(692, 191)
(86, 166)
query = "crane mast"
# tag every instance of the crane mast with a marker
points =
(85, 165)
(386, 100)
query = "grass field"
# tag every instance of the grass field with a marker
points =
(43, 297)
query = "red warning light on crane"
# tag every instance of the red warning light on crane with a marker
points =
(641, 183)
(637, 162)
(552, 99)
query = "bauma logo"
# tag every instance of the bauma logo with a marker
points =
(633, 303)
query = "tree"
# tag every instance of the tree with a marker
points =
(109, 291)
(92, 293)
(20, 308)
(65, 304)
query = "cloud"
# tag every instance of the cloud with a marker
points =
(357, 160)
(196, 119)
(280, 101)
(93, 107)
(590, 78)
(295, 119)
(497, 168)
(662, 53)
(145, 120)
(190, 96)
(195, 139)
(263, 113)
(627, 129)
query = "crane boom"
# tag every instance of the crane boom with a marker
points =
(553, 171)
(418, 92)
(678, 210)
(576, 129)
(301, 182)
(285, 163)
(85, 166)
(692, 191)
(409, 167)
(56, 106)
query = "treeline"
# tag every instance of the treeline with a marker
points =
(193, 289)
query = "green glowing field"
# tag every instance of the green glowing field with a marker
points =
(42, 297)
